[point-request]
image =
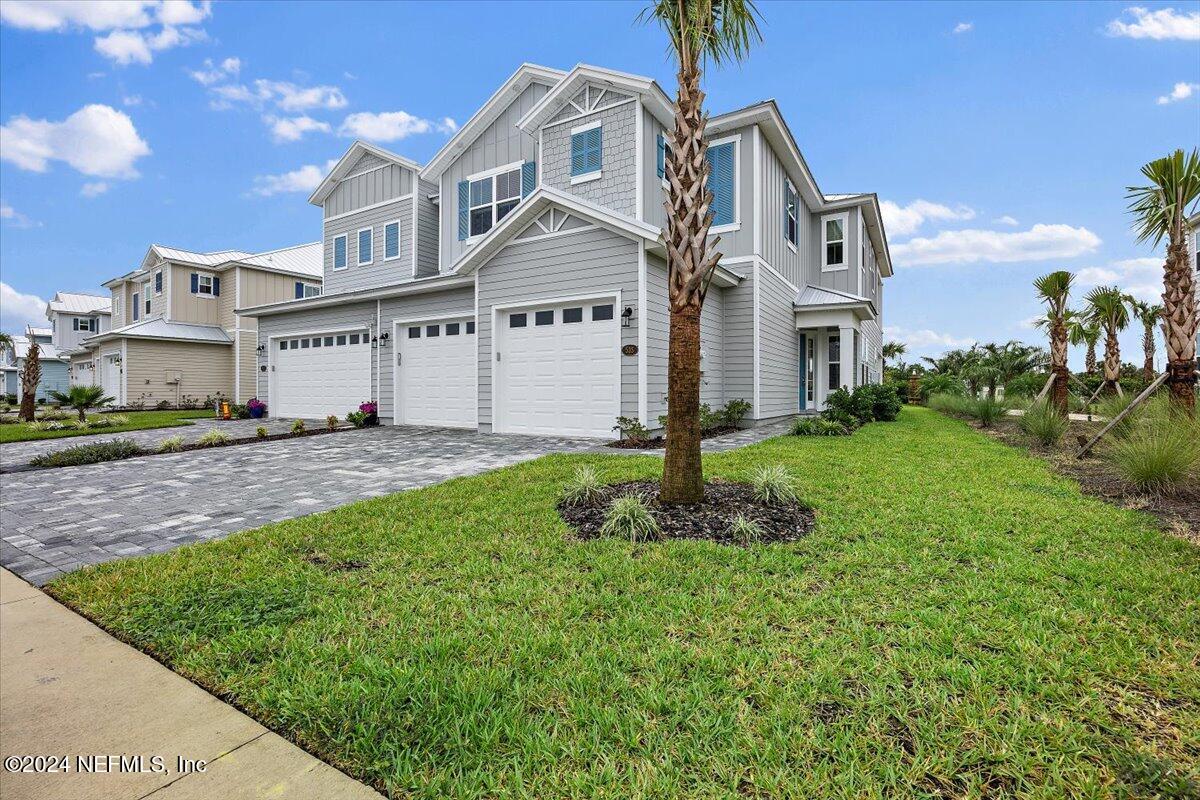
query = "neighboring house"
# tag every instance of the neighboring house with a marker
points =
(54, 363)
(517, 283)
(75, 316)
(175, 333)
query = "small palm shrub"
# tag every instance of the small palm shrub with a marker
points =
(81, 398)
(773, 485)
(744, 531)
(171, 444)
(816, 426)
(630, 518)
(298, 427)
(88, 454)
(1159, 454)
(331, 423)
(261, 432)
(1042, 422)
(936, 383)
(584, 488)
(213, 438)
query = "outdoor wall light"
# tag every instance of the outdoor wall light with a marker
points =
(383, 337)
(261, 348)
(626, 316)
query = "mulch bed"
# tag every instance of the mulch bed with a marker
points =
(709, 519)
(659, 442)
(1179, 512)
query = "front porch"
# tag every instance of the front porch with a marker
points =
(830, 343)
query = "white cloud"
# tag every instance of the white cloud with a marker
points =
(232, 65)
(1165, 23)
(16, 218)
(96, 140)
(131, 100)
(182, 12)
(1140, 277)
(1006, 220)
(925, 339)
(903, 220)
(963, 27)
(18, 310)
(130, 47)
(304, 179)
(447, 125)
(52, 15)
(1095, 276)
(93, 189)
(388, 126)
(290, 97)
(212, 73)
(1181, 91)
(292, 129)
(969, 246)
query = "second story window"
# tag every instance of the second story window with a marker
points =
(158, 281)
(833, 242)
(722, 181)
(84, 324)
(137, 307)
(365, 252)
(307, 290)
(339, 252)
(206, 285)
(391, 241)
(146, 296)
(791, 226)
(491, 199)
(587, 151)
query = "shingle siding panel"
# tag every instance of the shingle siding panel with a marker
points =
(616, 188)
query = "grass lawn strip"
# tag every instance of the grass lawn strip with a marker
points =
(138, 421)
(961, 623)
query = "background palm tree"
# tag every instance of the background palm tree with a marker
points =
(893, 350)
(1107, 309)
(81, 398)
(1053, 290)
(1081, 330)
(1149, 314)
(31, 376)
(1160, 209)
(6, 341)
(700, 31)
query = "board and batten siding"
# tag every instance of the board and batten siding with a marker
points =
(778, 356)
(712, 345)
(455, 303)
(204, 370)
(499, 144)
(427, 230)
(776, 249)
(739, 343)
(310, 321)
(582, 263)
(197, 309)
(616, 187)
(844, 280)
(379, 272)
(380, 182)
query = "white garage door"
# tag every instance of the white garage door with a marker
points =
(435, 380)
(318, 375)
(559, 370)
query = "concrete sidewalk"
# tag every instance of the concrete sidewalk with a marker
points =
(69, 689)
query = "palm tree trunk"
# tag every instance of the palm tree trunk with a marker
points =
(683, 476)
(1148, 349)
(1058, 365)
(1179, 323)
(1112, 359)
(1089, 360)
(31, 376)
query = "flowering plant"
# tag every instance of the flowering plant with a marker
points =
(369, 407)
(256, 408)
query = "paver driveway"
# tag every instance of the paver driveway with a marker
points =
(56, 520)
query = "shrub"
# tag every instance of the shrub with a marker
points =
(1027, 384)
(986, 410)
(885, 401)
(357, 418)
(940, 383)
(162, 405)
(816, 426)
(89, 454)
(773, 485)
(1043, 423)
(899, 387)
(633, 430)
(55, 416)
(261, 432)
(735, 410)
(844, 418)
(629, 517)
(584, 488)
(213, 438)
(744, 531)
(857, 405)
(239, 411)
(44, 426)
(298, 427)
(6, 419)
(709, 419)
(331, 423)
(171, 444)
(1159, 454)
(107, 421)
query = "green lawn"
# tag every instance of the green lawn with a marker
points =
(962, 624)
(138, 421)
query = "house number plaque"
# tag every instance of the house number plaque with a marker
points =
(629, 350)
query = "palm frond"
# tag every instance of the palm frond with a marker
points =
(711, 30)
(1171, 195)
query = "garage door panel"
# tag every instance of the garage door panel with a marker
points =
(435, 380)
(314, 379)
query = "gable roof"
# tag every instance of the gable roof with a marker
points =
(300, 259)
(655, 98)
(346, 163)
(79, 303)
(158, 252)
(509, 90)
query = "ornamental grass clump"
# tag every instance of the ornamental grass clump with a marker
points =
(773, 485)
(744, 531)
(986, 410)
(584, 488)
(331, 423)
(1160, 450)
(214, 438)
(298, 427)
(1043, 423)
(171, 444)
(89, 454)
(816, 426)
(1110, 407)
(630, 518)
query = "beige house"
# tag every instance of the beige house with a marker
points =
(175, 336)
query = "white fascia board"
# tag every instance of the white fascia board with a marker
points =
(651, 93)
(342, 167)
(433, 283)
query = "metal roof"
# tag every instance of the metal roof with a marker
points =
(820, 296)
(304, 259)
(199, 259)
(159, 328)
(21, 349)
(80, 303)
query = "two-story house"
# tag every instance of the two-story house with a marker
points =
(517, 283)
(54, 369)
(175, 331)
(73, 317)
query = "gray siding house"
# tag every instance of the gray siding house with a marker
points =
(517, 282)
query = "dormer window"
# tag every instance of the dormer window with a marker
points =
(587, 152)
(84, 324)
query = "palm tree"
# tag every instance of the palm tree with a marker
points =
(31, 376)
(1053, 290)
(1080, 330)
(893, 350)
(1160, 209)
(700, 31)
(81, 398)
(1107, 310)
(6, 342)
(1149, 314)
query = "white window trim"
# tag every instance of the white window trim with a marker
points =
(793, 245)
(587, 126)
(333, 255)
(320, 289)
(199, 277)
(842, 267)
(737, 184)
(489, 173)
(479, 176)
(587, 177)
(594, 175)
(157, 282)
(358, 259)
(396, 257)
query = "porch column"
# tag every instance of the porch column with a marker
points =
(846, 349)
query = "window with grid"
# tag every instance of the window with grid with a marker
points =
(492, 198)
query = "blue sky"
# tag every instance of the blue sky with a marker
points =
(1000, 136)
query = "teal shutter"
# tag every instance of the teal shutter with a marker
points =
(464, 209)
(661, 155)
(587, 151)
(137, 307)
(528, 178)
(720, 183)
(578, 154)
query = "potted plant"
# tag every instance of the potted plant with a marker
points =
(371, 409)
(256, 407)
